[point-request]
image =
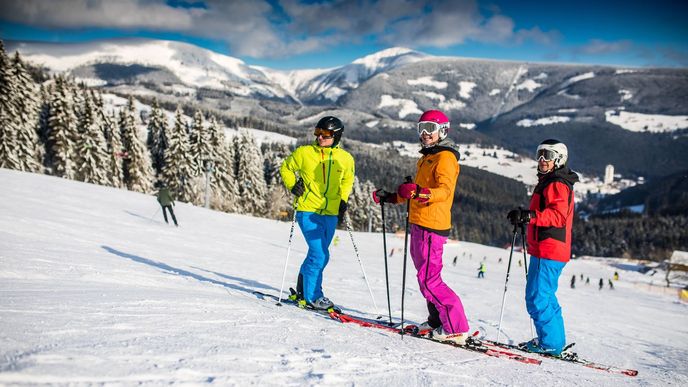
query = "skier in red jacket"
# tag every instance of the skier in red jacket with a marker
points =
(550, 220)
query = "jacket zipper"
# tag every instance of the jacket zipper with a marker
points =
(326, 177)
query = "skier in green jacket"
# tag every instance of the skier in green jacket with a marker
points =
(322, 187)
(166, 202)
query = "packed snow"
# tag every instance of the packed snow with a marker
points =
(466, 88)
(526, 122)
(639, 122)
(528, 84)
(427, 81)
(97, 289)
(406, 106)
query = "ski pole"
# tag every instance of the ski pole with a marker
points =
(525, 266)
(384, 247)
(351, 235)
(508, 268)
(286, 261)
(403, 275)
(156, 212)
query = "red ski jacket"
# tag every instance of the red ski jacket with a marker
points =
(549, 233)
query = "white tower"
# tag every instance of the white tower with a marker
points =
(609, 174)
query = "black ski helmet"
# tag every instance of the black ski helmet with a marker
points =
(334, 124)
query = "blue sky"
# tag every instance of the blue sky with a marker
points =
(294, 34)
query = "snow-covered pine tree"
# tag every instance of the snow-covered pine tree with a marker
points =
(157, 143)
(356, 209)
(138, 173)
(62, 131)
(44, 92)
(199, 151)
(372, 210)
(113, 140)
(225, 192)
(253, 191)
(363, 212)
(279, 201)
(91, 147)
(8, 130)
(25, 99)
(176, 173)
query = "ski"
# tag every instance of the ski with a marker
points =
(473, 345)
(567, 356)
(325, 312)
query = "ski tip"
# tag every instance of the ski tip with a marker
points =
(279, 304)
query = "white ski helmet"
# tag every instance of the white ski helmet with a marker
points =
(553, 150)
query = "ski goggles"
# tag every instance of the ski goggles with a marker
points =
(430, 127)
(546, 155)
(324, 133)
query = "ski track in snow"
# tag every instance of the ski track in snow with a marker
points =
(97, 289)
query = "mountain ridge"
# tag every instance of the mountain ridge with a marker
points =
(508, 103)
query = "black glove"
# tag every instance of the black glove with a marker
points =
(299, 188)
(382, 196)
(520, 216)
(342, 209)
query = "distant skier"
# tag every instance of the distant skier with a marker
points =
(573, 282)
(481, 270)
(587, 280)
(601, 284)
(611, 284)
(616, 276)
(166, 201)
(455, 258)
(550, 222)
(325, 180)
(431, 197)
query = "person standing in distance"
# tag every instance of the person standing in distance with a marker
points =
(166, 202)
(431, 197)
(322, 187)
(550, 221)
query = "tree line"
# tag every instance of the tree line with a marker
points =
(58, 127)
(64, 129)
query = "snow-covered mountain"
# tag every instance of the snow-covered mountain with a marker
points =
(506, 103)
(328, 86)
(98, 290)
(111, 62)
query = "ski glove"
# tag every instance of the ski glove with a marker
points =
(520, 216)
(382, 196)
(342, 209)
(414, 191)
(298, 189)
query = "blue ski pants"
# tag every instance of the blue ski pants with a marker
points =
(542, 304)
(318, 230)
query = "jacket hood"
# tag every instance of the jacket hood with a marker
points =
(443, 145)
(564, 173)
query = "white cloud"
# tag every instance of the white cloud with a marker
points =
(264, 29)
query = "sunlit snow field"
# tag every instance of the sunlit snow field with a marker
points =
(97, 289)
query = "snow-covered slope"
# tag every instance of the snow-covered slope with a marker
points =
(191, 65)
(197, 67)
(329, 85)
(97, 289)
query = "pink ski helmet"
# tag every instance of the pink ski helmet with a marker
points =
(432, 121)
